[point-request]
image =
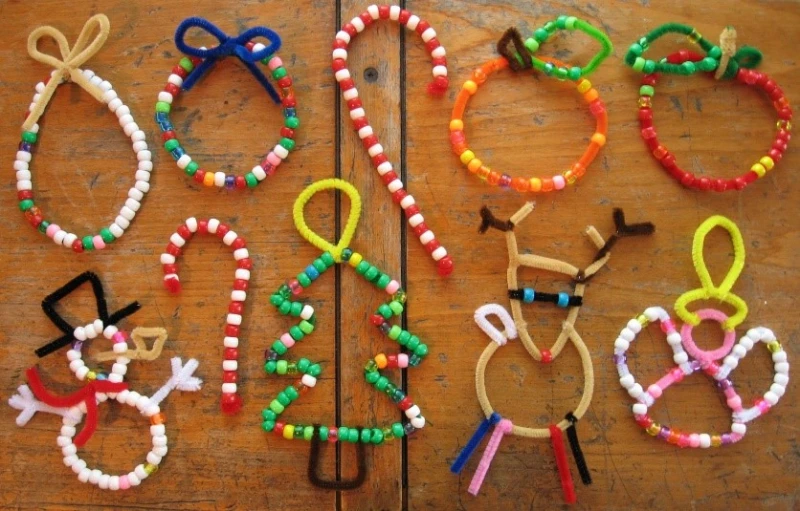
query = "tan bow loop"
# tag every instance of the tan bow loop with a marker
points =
(68, 67)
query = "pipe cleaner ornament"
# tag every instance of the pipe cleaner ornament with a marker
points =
(721, 62)
(517, 326)
(200, 61)
(690, 359)
(519, 55)
(286, 300)
(444, 262)
(100, 387)
(67, 69)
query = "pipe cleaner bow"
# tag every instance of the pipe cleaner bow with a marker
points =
(87, 395)
(228, 46)
(68, 68)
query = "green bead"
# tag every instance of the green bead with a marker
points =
(283, 399)
(296, 309)
(171, 144)
(191, 168)
(308, 433)
(540, 35)
(371, 365)
(571, 20)
(707, 64)
(385, 311)
(25, 205)
(397, 430)
(347, 254)
(715, 52)
(383, 281)
(296, 333)
(303, 364)
(276, 407)
(550, 27)
(291, 393)
(343, 432)
(531, 44)
(689, 67)
(279, 73)
(646, 90)
(638, 64)
(270, 366)
(371, 376)
(362, 267)
(352, 435)
(303, 279)
(371, 273)
(395, 332)
(319, 265)
(268, 415)
(105, 233)
(635, 49)
(29, 137)
(381, 383)
(285, 308)
(561, 73)
(390, 389)
(287, 143)
(574, 73)
(306, 327)
(412, 343)
(399, 296)
(387, 433)
(421, 350)
(404, 337)
(279, 347)
(163, 107)
(315, 370)
(268, 426)
(282, 366)
(397, 307)
(377, 436)
(186, 64)
(298, 431)
(561, 22)
(43, 226)
(327, 258)
(88, 243)
(649, 67)
(323, 433)
(292, 122)
(366, 435)
(251, 180)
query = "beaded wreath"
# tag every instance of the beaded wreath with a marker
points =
(101, 386)
(720, 63)
(199, 61)
(518, 326)
(285, 299)
(444, 262)
(231, 401)
(68, 69)
(512, 48)
(690, 359)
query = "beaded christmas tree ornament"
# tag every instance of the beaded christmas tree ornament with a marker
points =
(286, 300)
(100, 387)
(690, 359)
(721, 62)
(67, 69)
(444, 262)
(231, 401)
(197, 63)
(519, 55)
(517, 326)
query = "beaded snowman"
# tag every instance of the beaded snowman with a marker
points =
(690, 359)
(518, 326)
(101, 387)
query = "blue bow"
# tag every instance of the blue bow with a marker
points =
(228, 46)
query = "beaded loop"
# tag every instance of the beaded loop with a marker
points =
(352, 219)
(200, 61)
(709, 290)
(687, 179)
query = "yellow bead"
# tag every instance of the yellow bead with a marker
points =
(767, 162)
(149, 468)
(467, 156)
(774, 347)
(599, 139)
(208, 179)
(474, 165)
(642, 320)
(91, 375)
(288, 432)
(456, 125)
(584, 86)
(694, 36)
(716, 440)
(381, 360)
(653, 429)
(536, 184)
(569, 176)
(759, 169)
(355, 259)
(470, 87)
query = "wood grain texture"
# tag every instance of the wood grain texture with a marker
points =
(523, 124)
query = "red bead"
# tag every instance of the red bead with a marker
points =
(36, 220)
(173, 249)
(704, 183)
(652, 143)
(167, 135)
(645, 114)
(359, 123)
(668, 161)
(391, 361)
(238, 243)
(287, 132)
(25, 194)
(333, 435)
(241, 285)
(775, 155)
(178, 70)
(785, 113)
(350, 29)
(750, 177)
(438, 86)
(404, 16)
(230, 377)
(399, 195)
(439, 61)
(231, 330)
(250, 45)
(236, 307)
(366, 17)
(389, 177)
(347, 84)
(172, 89)
(338, 64)
(77, 246)
(279, 428)
(650, 79)
(412, 210)
(547, 356)
(231, 404)
(240, 182)
(173, 285)
(230, 354)
(769, 86)
(339, 44)
(719, 185)
(383, 12)
(378, 159)
(649, 133)
(445, 265)
(170, 268)
(196, 61)
(739, 183)
(354, 103)
(184, 232)
(422, 26)
(376, 319)
(289, 101)
(245, 263)
(688, 180)
(405, 404)
(432, 245)
(285, 82)
(199, 176)
(432, 44)
(420, 229)
(202, 226)
(222, 230)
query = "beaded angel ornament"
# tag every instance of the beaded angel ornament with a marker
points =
(286, 299)
(67, 69)
(518, 326)
(690, 359)
(101, 386)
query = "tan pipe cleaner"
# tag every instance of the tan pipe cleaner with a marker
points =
(139, 336)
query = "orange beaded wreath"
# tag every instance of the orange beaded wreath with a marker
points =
(522, 184)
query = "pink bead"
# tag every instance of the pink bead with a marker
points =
(559, 182)
(287, 340)
(667, 326)
(124, 484)
(52, 229)
(694, 440)
(98, 242)
(274, 63)
(683, 440)
(735, 403)
(333, 435)
(392, 287)
(763, 405)
(677, 374)
(655, 391)
(273, 159)
(402, 360)
(119, 337)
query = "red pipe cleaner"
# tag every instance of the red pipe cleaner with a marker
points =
(563, 468)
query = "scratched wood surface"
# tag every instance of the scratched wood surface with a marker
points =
(522, 124)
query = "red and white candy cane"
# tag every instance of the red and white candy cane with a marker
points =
(230, 402)
(444, 263)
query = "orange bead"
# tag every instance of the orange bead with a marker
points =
(479, 76)
(459, 148)
(381, 361)
(520, 184)
(158, 419)
(547, 184)
(579, 170)
(474, 165)
(484, 172)
(591, 95)
(493, 178)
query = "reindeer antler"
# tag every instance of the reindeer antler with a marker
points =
(489, 220)
(624, 231)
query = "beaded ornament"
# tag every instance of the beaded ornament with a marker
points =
(101, 386)
(285, 299)
(444, 262)
(690, 359)
(199, 61)
(67, 69)
(723, 62)
(231, 401)
(518, 326)
(512, 49)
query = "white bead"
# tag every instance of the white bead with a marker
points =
(365, 132)
(413, 21)
(778, 390)
(229, 237)
(82, 372)
(167, 258)
(307, 312)
(151, 410)
(103, 482)
(230, 365)
(746, 342)
(68, 431)
(241, 253)
(242, 274)
(69, 239)
(280, 151)
(754, 334)
(177, 240)
(153, 458)
(407, 202)
(59, 236)
(357, 113)
(113, 483)
(24, 185)
(79, 466)
(739, 351)
(230, 342)
(680, 357)
(394, 186)
(342, 74)
(21, 165)
(120, 369)
(636, 391)
(116, 230)
(124, 117)
(340, 53)
(373, 11)
(731, 362)
(652, 313)
(739, 428)
(412, 412)
(70, 449)
(144, 156)
(132, 397)
(146, 165)
(429, 34)
(115, 378)
(84, 475)
(109, 96)
(308, 380)
(418, 422)
(76, 364)
(94, 477)
(259, 172)
(344, 36)
(24, 156)
(234, 319)
(627, 334)
(705, 440)
(426, 237)
(238, 296)
(40, 86)
(415, 220)
(23, 175)
(771, 398)
(621, 344)
(109, 332)
(95, 80)
(105, 86)
(73, 355)
(639, 409)
(438, 52)
(627, 381)
(350, 93)
(439, 253)
(165, 96)
(134, 479)
(140, 472)
(634, 326)
(114, 104)
(127, 212)
(384, 167)
(394, 12)
(63, 440)
(161, 450)
(142, 402)
(375, 150)
(70, 460)
(175, 79)
(229, 388)
(213, 223)
(141, 145)
(674, 339)
(781, 379)
(184, 160)
(258, 47)
(779, 356)
(135, 194)
(219, 179)
(191, 224)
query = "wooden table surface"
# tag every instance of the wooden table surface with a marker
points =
(521, 123)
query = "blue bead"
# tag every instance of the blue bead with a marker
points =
(230, 182)
(101, 376)
(177, 152)
(290, 112)
(563, 299)
(25, 146)
(312, 272)
(528, 295)
(162, 117)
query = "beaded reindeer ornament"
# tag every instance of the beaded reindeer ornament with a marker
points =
(101, 386)
(287, 303)
(68, 70)
(518, 326)
(690, 359)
